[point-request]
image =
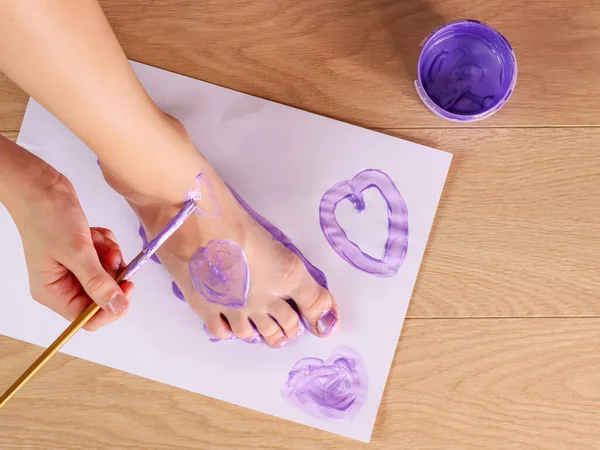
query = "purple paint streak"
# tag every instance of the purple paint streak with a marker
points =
(396, 245)
(277, 234)
(332, 389)
(202, 181)
(280, 236)
(177, 292)
(220, 273)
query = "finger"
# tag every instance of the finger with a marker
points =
(103, 317)
(106, 232)
(98, 284)
(108, 250)
(112, 262)
(103, 242)
(71, 309)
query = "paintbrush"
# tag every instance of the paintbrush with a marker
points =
(83, 318)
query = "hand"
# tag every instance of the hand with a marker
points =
(70, 264)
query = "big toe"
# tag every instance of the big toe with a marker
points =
(318, 307)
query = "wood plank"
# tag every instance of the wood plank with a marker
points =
(517, 228)
(464, 384)
(13, 102)
(356, 61)
(12, 135)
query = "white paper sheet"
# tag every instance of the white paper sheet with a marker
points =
(281, 160)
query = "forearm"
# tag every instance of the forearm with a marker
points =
(65, 55)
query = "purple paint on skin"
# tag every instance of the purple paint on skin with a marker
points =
(332, 389)
(255, 339)
(352, 190)
(202, 181)
(280, 236)
(467, 71)
(220, 273)
(172, 226)
(277, 234)
(177, 292)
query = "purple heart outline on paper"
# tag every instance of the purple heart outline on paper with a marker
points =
(395, 248)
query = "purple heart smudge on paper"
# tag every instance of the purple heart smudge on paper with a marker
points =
(332, 389)
(352, 190)
(220, 273)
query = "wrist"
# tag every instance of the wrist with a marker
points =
(158, 167)
(22, 175)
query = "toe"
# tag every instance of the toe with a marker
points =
(270, 330)
(218, 327)
(286, 317)
(317, 306)
(239, 323)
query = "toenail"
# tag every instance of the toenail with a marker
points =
(282, 343)
(326, 323)
(255, 339)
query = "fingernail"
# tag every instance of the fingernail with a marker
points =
(118, 262)
(282, 343)
(326, 323)
(117, 303)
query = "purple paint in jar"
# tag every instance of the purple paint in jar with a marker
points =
(466, 72)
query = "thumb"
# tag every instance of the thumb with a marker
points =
(96, 281)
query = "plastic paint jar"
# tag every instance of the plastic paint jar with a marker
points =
(466, 72)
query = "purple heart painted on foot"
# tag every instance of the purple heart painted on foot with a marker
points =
(220, 273)
(352, 190)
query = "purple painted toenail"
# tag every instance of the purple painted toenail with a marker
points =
(326, 323)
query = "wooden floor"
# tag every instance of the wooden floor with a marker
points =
(501, 347)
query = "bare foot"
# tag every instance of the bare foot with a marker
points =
(277, 272)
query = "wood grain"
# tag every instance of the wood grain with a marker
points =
(356, 60)
(13, 102)
(500, 348)
(12, 135)
(516, 232)
(456, 384)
